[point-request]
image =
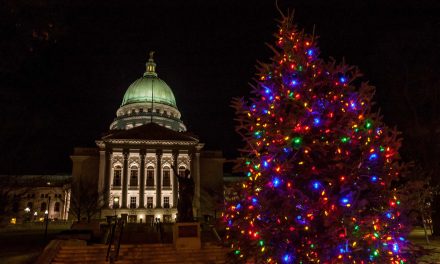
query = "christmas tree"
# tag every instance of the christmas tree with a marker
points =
(319, 165)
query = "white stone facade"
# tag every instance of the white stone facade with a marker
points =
(146, 189)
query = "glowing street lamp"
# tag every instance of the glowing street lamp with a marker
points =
(27, 216)
(46, 218)
(115, 205)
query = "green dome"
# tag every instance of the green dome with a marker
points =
(149, 88)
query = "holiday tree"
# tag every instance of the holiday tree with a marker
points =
(319, 165)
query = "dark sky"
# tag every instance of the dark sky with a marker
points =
(65, 65)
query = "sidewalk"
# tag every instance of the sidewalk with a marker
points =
(417, 236)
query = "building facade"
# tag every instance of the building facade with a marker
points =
(132, 166)
(32, 198)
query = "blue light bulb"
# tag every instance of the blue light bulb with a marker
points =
(316, 185)
(373, 156)
(316, 121)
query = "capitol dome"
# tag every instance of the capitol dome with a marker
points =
(149, 88)
(148, 99)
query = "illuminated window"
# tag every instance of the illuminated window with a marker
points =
(132, 202)
(150, 176)
(134, 176)
(166, 202)
(150, 202)
(117, 176)
(166, 177)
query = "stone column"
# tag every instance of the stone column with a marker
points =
(107, 170)
(158, 178)
(101, 173)
(142, 180)
(197, 178)
(175, 181)
(125, 179)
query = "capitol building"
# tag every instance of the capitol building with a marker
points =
(131, 167)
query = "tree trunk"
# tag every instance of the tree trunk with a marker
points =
(436, 215)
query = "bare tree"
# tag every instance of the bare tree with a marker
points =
(12, 189)
(417, 194)
(86, 201)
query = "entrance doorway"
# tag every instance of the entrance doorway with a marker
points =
(167, 218)
(149, 219)
(132, 218)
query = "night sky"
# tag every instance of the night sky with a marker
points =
(65, 65)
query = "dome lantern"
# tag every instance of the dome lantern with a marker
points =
(150, 66)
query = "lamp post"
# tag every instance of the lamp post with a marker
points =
(115, 206)
(46, 218)
(27, 210)
(35, 216)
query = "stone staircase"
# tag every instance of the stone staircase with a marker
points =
(142, 253)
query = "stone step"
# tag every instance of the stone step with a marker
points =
(206, 253)
(149, 261)
(143, 253)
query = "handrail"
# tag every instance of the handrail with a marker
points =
(121, 228)
(217, 236)
(115, 240)
(110, 241)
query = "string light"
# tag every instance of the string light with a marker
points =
(312, 143)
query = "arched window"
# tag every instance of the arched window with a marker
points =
(150, 176)
(117, 176)
(134, 176)
(30, 205)
(43, 207)
(57, 207)
(182, 171)
(166, 182)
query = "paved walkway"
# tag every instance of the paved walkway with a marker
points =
(417, 236)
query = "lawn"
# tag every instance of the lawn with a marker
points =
(23, 246)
